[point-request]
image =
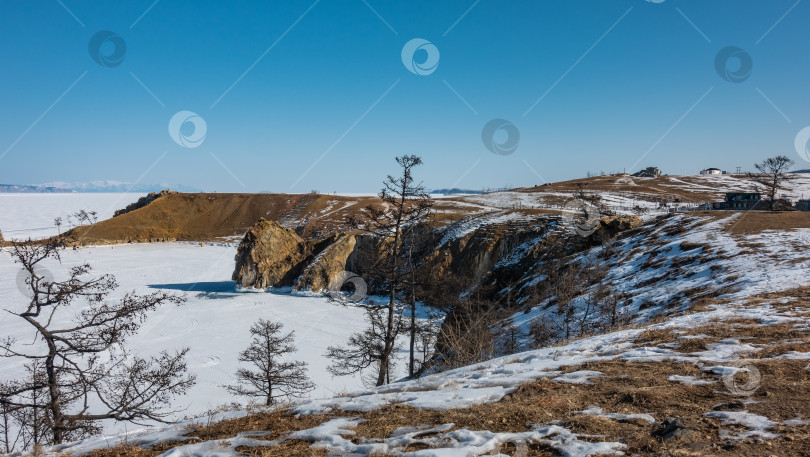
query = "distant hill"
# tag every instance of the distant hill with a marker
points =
(455, 191)
(13, 188)
(94, 186)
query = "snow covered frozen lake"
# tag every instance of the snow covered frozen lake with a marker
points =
(214, 322)
(24, 215)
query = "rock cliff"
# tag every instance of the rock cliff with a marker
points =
(487, 258)
(268, 256)
(143, 201)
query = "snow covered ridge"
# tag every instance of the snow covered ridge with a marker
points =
(728, 411)
(666, 267)
(490, 381)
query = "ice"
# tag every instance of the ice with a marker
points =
(31, 215)
(214, 322)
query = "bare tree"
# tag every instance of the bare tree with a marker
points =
(404, 204)
(564, 286)
(466, 335)
(418, 281)
(508, 340)
(13, 434)
(80, 372)
(542, 332)
(426, 334)
(366, 348)
(85, 217)
(772, 176)
(609, 307)
(272, 378)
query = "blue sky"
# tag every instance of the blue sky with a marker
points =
(303, 95)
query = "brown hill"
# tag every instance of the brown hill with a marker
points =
(206, 217)
(173, 216)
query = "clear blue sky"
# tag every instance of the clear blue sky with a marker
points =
(618, 79)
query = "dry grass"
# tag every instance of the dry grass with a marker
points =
(280, 423)
(289, 448)
(626, 388)
(757, 221)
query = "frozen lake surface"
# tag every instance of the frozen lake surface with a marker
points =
(214, 322)
(24, 215)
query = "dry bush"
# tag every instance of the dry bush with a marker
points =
(466, 336)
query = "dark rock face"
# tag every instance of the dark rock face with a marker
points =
(671, 428)
(143, 201)
(274, 256)
(329, 262)
(488, 258)
(268, 255)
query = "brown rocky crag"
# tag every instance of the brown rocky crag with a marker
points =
(269, 255)
(488, 258)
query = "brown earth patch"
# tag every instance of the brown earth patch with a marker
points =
(751, 222)
(204, 217)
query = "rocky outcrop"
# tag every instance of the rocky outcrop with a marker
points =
(609, 227)
(488, 259)
(329, 262)
(269, 256)
(143, 201)
(2, 241)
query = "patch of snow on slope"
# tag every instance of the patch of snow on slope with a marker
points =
(689, 380)
(757, 426)
(597, 411)
(490, 381)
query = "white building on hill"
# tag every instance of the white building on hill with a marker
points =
(712, 171)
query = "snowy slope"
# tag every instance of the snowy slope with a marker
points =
(490, 381)
(659, 277)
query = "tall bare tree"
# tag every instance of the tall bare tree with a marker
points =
(273, 378)
(80, 372)
(417, 281)
(404, 204)
(365, 348)
(772, 176)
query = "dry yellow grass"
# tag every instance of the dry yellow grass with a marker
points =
(627, 388)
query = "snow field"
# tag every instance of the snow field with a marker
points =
(213, 323)
(25, 215)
